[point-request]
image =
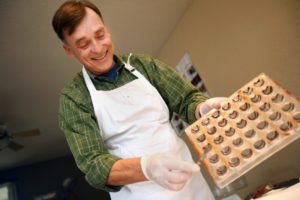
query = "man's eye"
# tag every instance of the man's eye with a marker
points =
(83, 45)
(100, 36)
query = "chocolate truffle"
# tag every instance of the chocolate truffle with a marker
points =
(296, 117)
(261, 125)
(245, 107)
(207, 148)
(286, 126)
(248, 90)
(226, 150)
(259, 144)
(242, 123)
(222, 122)
(230, 132)
(272, 135)
(226, 106)
(265, 107)
(247, 153)
(216, 114)
(219, 139)
(212, 130)
(237, 142)
(253, 115)
(214, 158)
(237, 98)
(233, 114)
(288, 107)
(268, 90)
(205, 121)
(278, 98)
(250, 133)
(234, 162)
(275, 116)
(195, 129)
(201, 138)
(259, 83)
(221, 170)
(256, 98)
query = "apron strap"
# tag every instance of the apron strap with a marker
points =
(130, 68)
(88, 80)
(127, 64)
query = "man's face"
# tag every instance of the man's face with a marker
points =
(91, 44)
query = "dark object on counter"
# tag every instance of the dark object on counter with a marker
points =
(268, 187)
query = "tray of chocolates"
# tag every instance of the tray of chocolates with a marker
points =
(255, 122)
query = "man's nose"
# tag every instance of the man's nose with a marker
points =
(96, 46)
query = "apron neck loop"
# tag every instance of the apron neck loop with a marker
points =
(127, 64)
(128, 59)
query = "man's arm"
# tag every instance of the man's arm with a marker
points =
(125, 172)
(165, 170)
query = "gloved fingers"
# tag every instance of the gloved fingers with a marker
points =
(210, 104)
(215, 101)
(172, 186)
(205, 108)
(183, 166)
(216, 105)
(176, 187)
(177, 177)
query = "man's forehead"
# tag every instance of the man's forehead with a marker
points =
(90, 24)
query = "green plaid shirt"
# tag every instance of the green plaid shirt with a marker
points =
(78, 121)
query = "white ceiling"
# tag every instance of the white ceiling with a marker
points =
(34, 67)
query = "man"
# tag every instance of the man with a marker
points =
(115, 114)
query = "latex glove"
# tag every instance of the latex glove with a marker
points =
(168, 171)
(210, 104)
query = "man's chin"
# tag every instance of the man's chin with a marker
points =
(104, 69)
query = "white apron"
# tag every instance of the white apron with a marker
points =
(135, 122)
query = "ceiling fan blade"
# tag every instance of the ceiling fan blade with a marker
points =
(15, 146)
(28, 133)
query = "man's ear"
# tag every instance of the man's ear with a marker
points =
(67, 49)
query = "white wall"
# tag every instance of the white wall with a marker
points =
(231, 42)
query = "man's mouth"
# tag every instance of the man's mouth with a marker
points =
(101, 57)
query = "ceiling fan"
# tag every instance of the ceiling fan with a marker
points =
(7, 138)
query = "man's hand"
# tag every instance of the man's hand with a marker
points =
(211, 103)
(168, 171)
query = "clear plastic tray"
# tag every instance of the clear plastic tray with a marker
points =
(257, 121)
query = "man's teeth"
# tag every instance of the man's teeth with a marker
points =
(99, 58)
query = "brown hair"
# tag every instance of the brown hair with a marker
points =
(69, 15)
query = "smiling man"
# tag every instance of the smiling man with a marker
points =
(115, 114)
(90, 43)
